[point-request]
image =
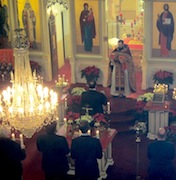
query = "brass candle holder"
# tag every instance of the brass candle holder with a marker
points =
(160, 88)
(61, 82)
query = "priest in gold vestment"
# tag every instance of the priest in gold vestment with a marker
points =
(121, 78)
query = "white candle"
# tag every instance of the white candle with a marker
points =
(13, 136)
(108, 107)
(11, 74)
(98, 134)
(65, 103)
(65, 120)
(88, 132)
(21, 140)
(2, 77)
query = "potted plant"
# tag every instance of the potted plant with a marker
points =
(140, 113)
(90, 73)
(163, 77)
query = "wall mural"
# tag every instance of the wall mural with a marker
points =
(87, 26)
(29, 18)
(4, 26)
(29, 23)
(164, 16)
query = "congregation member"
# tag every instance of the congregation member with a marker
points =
(161, 154)
(85, 150)
(121, 78)
(54, 149)
(11, 155)
(94, 100)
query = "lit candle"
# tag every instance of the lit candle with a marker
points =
(11, 74)
(65, 120)
(2, 77)
(21, 140)
(65, 103)
(88, 132)
(98, 134)
(108, 107)
(13, 136)
(34, 73)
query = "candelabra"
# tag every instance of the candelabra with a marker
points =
(62, 82)
(160, 88)
(26, 106)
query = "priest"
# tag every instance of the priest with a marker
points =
(121, 78)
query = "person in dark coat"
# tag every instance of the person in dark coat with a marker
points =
(54, 150)
(85, 150)
(161, 154)
(93, 99)
(11, 155)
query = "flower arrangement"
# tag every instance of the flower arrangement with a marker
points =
(139, 126)
(90, 73)
(74, 99)
(72, 116)
(77, 91)
(139, 112)
(101, 119)
(73, 103)
(163, 77)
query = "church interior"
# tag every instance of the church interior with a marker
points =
(44, 42)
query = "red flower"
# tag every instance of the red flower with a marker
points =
(90, 73)
(99, 117)
(74, 100)
(72, 115)
(163, 77)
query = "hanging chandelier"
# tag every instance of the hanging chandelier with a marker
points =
(26, 106)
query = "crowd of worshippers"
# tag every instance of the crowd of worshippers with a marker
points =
(84, 150)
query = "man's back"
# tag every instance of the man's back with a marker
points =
(161, 153)
(94, 100)
(11, 156)
(86, 150)
(54, 149)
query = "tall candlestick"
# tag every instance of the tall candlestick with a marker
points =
(13, 136)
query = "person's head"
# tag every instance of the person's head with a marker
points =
(161, 134)
(51, 128)
(92, 84)
(120, 43)
(166, 7)
(84, 126)
(86, 6)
